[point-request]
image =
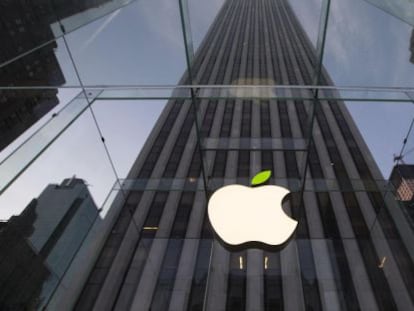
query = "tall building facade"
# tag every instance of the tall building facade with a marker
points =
(351, 248)
(38, 246)
(412, 47)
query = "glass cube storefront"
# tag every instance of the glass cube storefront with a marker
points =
(120, 119)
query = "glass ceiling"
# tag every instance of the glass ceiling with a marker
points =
(107, 72)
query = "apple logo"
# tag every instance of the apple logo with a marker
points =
(251, 216)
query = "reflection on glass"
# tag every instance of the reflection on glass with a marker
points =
(400, 9)
(21, 109)
(39, 72)
(139, 44)
(72, 16)
(156, 249)
(30, 25)
(202, 14)
(377, 56)
(38, 142)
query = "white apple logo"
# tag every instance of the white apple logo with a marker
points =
(241, 214)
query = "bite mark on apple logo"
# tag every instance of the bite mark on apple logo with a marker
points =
(251, 216)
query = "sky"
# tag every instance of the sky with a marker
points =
(368, 47)
(142, 44)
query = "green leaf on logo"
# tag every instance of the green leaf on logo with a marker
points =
(261, 178)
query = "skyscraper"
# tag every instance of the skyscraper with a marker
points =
(350, 250)
(26, 26)
(402, 178)
(412, 47)
(38, 246)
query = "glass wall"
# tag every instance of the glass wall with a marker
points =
(120, 119)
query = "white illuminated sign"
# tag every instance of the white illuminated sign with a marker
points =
(241, 214)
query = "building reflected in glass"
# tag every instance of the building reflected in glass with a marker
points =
(27, 58)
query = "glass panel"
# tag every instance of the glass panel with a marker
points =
(49, 65)
(146, 92)
(25, 27)
(400, 9)
(26, 110)
(406, 154)
(202, 15)
(162, 184)
(140, 43)
(384, 129)
(231, 51)
(15, 161)
(146, 238)
(368, 94)
(214, 183)
(126, 125)
(72, 17)
(30, 26)
(309, 15)
(287, 167)
(186, 28)
(365, 58)
(31, 86)
(327, 266)
(64, 158)
(52, 209)
(255, 92)
(298, 144)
